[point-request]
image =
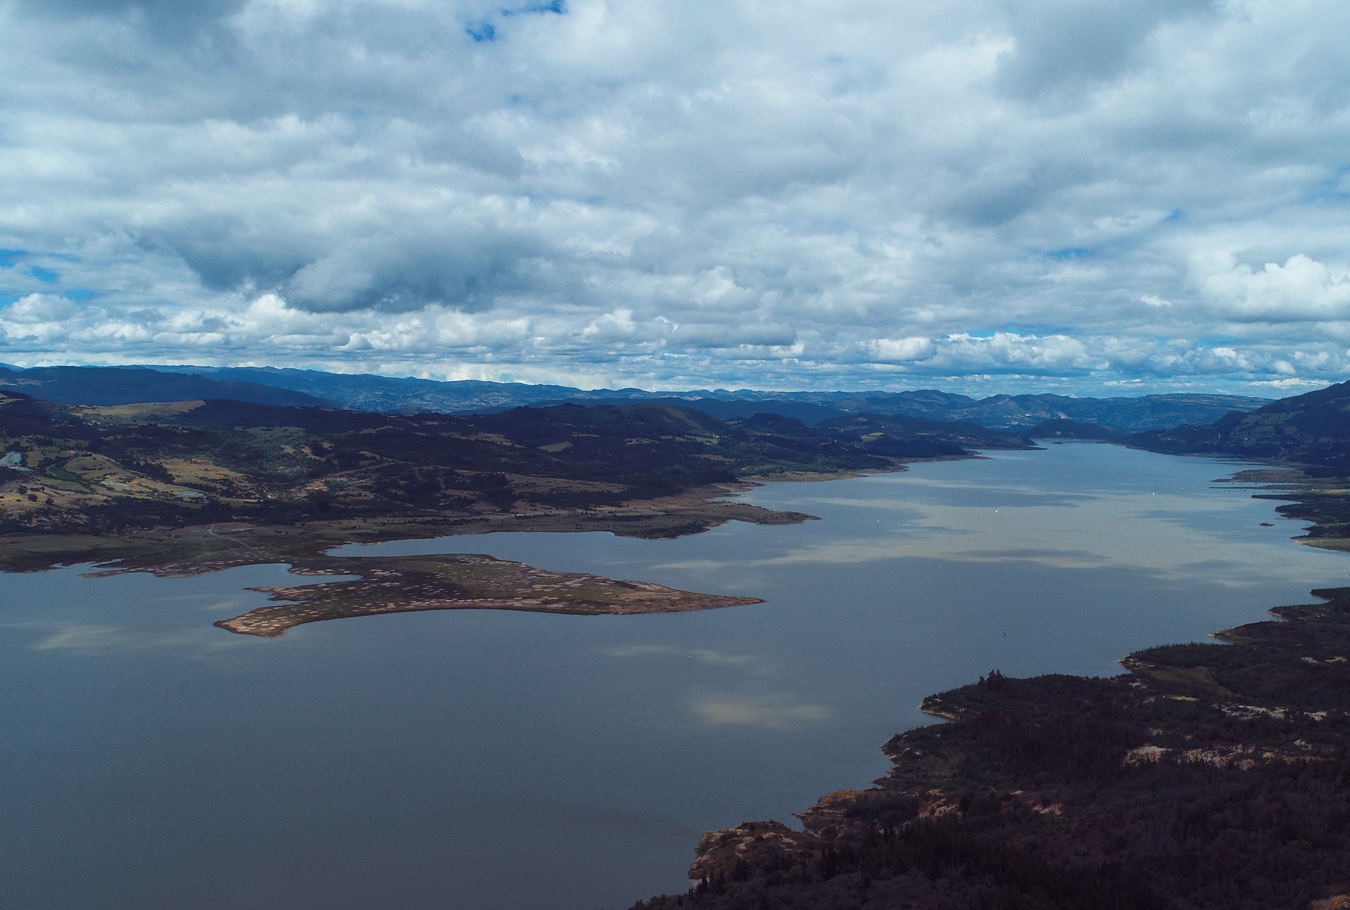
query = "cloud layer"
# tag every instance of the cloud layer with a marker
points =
(1088, 195)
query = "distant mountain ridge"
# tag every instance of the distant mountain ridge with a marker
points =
(390, 394)
(1148, 412)
(105, 386)
(366, 392)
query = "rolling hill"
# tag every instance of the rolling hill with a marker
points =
(1310, 429)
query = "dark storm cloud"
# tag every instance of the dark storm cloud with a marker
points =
(407, 273)
(180, 15)
(171, 21)
(1073, 44)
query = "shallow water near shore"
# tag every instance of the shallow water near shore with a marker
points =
(508, 760)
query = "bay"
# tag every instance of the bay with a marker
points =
(493, 759)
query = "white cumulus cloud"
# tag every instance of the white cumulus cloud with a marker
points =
(1301, 290)
(854, 194)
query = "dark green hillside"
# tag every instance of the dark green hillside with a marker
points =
(807, 412)
(1309, 429)
(111, 470)
(955, 432)
(1208, 777)
(1070, 429)
(1147, 412)
(608, 442)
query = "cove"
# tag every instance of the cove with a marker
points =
(492, 759)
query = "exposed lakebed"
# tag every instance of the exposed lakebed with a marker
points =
(498, 759)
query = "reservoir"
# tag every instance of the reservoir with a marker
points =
(480, 759)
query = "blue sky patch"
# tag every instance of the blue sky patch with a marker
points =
(1333, 189)
(1070, 252)
(486, 31)
(482, 32)
(46, 276)
(557, 6)
(1038, 330)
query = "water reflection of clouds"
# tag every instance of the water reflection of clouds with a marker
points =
(988, 497)
(703, 655)
(766, 712)
(852, 552)
(772, 711)
(88, 638)
(1175, 550)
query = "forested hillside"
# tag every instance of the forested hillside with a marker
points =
(1207, 777)
(1311, 429)
(108, 469)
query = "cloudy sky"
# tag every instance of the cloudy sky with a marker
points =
(1094, 196)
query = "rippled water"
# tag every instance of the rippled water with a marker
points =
(491, 759)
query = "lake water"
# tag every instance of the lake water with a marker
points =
(468, 759)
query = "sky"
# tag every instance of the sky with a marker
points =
(1094, 197)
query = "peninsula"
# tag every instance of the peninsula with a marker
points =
(477, 582)
(188, 487)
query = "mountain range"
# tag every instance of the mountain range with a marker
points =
(104, 386)
(290, 387)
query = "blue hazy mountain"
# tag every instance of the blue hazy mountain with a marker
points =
(120, 385)
(386, 393)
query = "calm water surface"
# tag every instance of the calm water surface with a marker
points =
(499, 760)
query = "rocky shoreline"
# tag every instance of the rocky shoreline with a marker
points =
(1207, 776)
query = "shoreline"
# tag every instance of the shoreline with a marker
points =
(208, 548)
(403, 584)
(1091, 788)
(840, 821)
(1080, 786)
(414, 584)
(181, 547)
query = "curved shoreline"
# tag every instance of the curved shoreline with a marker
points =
(1084, 785)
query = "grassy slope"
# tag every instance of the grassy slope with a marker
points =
(115, 471)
